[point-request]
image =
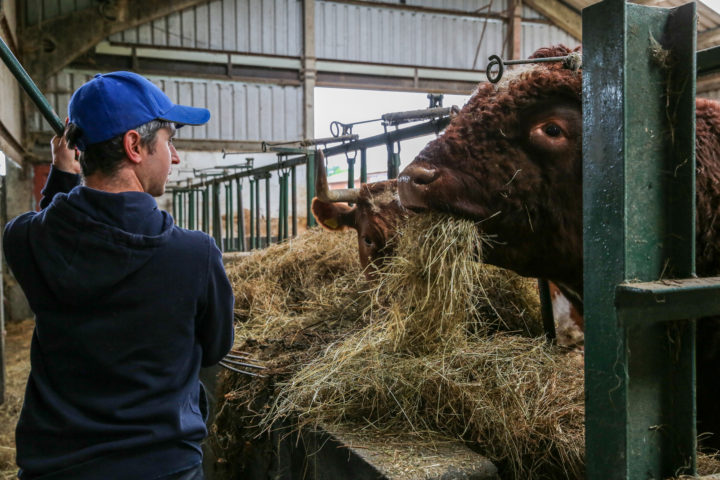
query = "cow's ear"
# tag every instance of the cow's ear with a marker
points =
(333, 216)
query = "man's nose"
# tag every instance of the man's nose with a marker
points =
(174, 157)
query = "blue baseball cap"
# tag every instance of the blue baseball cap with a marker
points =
(112, 103)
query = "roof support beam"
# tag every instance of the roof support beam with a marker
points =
(560, 14)
(52, 45)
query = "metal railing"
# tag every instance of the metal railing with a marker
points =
(236, 208)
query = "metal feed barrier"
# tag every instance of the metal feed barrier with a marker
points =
(202, 202)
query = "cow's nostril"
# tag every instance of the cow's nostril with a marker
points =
(421, 175)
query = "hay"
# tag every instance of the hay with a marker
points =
(424, 348)
(17, 358)
(435, 358)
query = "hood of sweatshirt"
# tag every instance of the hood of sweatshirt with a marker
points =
(90, 240)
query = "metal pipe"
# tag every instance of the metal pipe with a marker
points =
(258, 243)
(241, 216)
(397, 118)
(252, 214)
(32, 90)
(293, 174)
(268, 224)
(217, 220)
(363, 165)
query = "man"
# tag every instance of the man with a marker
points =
(128, 306)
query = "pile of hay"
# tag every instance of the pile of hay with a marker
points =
(437, 342)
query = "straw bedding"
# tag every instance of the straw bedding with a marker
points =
(436, 342)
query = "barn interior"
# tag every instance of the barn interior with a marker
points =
(247, 178)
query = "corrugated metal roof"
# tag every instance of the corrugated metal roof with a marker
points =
(272, 27)
(365, 33)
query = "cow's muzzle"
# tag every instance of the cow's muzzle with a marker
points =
(413, 184)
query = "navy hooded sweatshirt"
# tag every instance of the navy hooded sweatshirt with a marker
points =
(128, 307)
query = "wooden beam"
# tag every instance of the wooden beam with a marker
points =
(515, 29)
(309, 69)
(708, 38)
(54, 44)
(559, 14)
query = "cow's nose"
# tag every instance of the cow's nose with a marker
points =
(412, 186)
(419, 175)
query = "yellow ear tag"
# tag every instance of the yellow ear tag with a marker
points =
(331, 223)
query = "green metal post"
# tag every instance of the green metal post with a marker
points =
(175, 205)
(30, 88)
(181, 210)
(310, 186)
(351, 172)
(282, 207)
(293, 174)
(216, 219)
(268, 223)
(241, 216)
(393, 163)
(258, 240)
(640, 414)
(252, 214)
(229, 214)
(363, 165)
(206, 210)
(286, 181)
(191, 210)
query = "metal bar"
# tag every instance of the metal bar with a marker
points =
(546, 309)
(322, 141)
(668, 300)
(310, 187)
(293, 206)
(229, 214)
(31, 89)
(281, 193)
(252, 214)
(396, 118)
(258, 239)
(260, 171)
(217, 219)
(181, 210)
(206, 210)
(241, 216)
(393, 162)
(639, 407)
(363, 165)
(286, 192)
(351, 173)
(708, 60)
(434, 126)
(268, 223)
(175, 195)
(191, 210)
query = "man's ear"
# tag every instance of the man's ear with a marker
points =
(131, 145)
(333, 216)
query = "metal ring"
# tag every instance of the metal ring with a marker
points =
(494, 60)
(335, 128)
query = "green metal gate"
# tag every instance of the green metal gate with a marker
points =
(639, 66)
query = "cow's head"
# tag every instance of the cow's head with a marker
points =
(511, 159)
(374, 215)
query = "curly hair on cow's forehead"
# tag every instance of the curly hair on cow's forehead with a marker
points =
(527, 84)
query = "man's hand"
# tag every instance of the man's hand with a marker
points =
(63, 158)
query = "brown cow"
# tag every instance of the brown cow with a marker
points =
(512, 159)
(376, 215)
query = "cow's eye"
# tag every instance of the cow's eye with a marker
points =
(368, 241)
(552, 130)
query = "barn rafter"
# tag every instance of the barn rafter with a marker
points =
(50, 46)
